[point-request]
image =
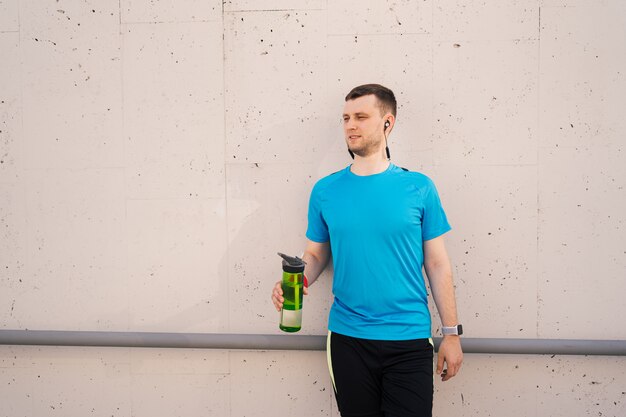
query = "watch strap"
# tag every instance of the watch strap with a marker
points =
(454, 330)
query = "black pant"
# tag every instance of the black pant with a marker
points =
(381, 378)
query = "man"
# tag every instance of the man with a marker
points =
(382, 224)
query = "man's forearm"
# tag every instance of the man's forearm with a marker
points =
(440, 278)
(315, 264)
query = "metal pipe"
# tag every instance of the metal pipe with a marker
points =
(545, 346)
(292, 342)
(162, 340)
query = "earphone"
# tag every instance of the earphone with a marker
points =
(387, 123)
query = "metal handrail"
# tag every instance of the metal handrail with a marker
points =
(292, 342)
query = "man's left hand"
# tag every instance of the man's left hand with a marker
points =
(451, 354)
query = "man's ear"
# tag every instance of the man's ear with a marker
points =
(390, 120)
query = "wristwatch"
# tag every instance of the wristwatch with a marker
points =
(454, 330)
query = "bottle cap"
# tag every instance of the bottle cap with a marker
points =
(292, 264)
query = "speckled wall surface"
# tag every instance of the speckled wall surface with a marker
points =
(154, 155)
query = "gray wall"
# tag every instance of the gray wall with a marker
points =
(155, 155)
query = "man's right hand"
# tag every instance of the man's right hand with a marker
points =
(277, 296)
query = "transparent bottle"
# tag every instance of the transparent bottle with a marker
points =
(292, 285)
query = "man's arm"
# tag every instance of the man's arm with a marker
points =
(316, 256)
(439, 272)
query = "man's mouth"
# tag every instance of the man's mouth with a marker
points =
(354, 136)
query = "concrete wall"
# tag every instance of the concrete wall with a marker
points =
(155, 155)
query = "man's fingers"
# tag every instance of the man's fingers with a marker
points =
(277, 304)
(449, 374)
(278, 291)
(451, 370)
(277, 296)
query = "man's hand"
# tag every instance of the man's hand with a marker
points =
(277, 295)
(449, 352)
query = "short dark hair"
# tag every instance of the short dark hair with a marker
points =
(386, 98)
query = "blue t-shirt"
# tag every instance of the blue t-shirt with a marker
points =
(376, 225)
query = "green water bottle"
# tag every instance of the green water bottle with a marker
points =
(292, 285)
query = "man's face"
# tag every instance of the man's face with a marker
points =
(363, 125)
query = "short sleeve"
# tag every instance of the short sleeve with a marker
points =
(317, 229)
(434, 220)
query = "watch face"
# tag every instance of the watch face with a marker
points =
(459, 329)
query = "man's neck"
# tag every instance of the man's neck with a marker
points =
(369, 165)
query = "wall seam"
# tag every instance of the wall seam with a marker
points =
(431, 145)
(131, 376)
(124, 150)
(225, 176)
(22, 141)
(224, 159)
(538, 272)
(537, 202)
